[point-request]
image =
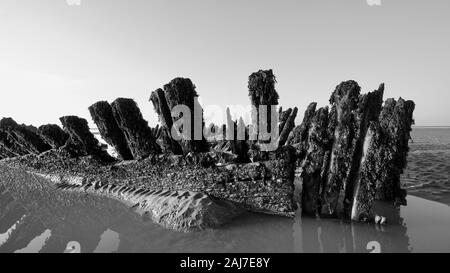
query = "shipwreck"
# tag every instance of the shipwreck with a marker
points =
(347, 155)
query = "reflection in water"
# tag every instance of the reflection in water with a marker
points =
(54, 219)
(70, 217)
(109, 242)
(73, 247)
(339, 236)
(36, 244)
(5, 236)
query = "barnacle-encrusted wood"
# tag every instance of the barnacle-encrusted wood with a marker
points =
(136, 130)
(53, 135)
(261, 87)
(315, 162)
(266, 186)
(81, 141)
(353, 155)
(181, 91)
(348, 155)
(384, 159)
(102, 115)
(158, 98)
(20, 139)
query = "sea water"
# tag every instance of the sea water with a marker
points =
(428, 172)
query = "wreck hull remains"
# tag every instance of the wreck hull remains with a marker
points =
(353, 155)
(349, 154)
(265, 186)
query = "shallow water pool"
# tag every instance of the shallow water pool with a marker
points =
(36, 218)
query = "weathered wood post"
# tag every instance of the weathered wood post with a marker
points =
(345, 101)
(287, 125)
(299, 136)
(136, 130)
(261, 86)
(181, 91)
(81, 141)
(158, 98)
(369, 109)
(314, 165)
(102, 114)
(385, 158)
(21, 139)
(53, 135)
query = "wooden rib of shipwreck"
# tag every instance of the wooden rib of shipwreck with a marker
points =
(349, 155)
(354, 155)
(260, 186)
(178, 210)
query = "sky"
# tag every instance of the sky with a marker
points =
(57, 59)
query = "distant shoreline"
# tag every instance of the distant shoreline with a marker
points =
(428, 127)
